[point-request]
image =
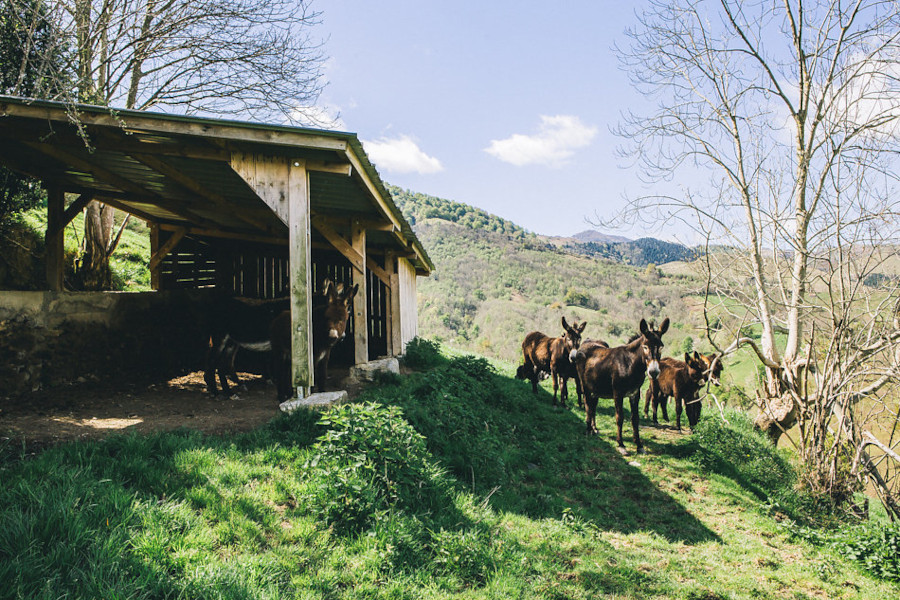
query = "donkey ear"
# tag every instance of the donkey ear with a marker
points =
(581, 327)
(643, 326)
(664, 327)
(565, 325)
(697, 356)
(352, 292)
(326, 287)
(687, 358)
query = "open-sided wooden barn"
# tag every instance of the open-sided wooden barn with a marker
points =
(255, 210)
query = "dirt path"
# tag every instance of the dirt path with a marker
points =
(95, 410)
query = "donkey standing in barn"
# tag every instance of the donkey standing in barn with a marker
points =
(619, 372)
(330, 314)
(681, 380)
(237, 323)
(552, 355)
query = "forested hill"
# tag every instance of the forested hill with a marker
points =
(641, 252)
(418, 207)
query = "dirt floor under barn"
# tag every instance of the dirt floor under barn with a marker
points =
(93, 410)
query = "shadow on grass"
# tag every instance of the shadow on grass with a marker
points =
(500, 439)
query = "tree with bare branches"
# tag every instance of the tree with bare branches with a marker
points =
(791, 110)
(250, 58)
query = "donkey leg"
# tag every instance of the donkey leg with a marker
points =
(555, 376)
(647, 397)
(678, 407)
(590, 413)
(635, 402)
(664, 405)
(580, 392)
(564, 391)
(213, 358)
(620, 418)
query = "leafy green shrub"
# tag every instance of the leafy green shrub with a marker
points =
(371, 463)
(739, 451)
(422, 354)
(875, 546)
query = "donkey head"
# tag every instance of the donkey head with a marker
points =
(712, 366)
(572, 335)
(652, 345)
(337, 302)
(696, 367)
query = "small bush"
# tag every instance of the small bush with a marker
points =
(422, 354)
(372, 463)
(875, 546)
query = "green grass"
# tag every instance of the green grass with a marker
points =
(456, 482)
(128, 262)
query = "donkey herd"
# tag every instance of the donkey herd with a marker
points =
(603, 372)
(599, 371)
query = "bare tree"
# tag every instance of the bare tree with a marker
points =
(252, 58)
(791, 109)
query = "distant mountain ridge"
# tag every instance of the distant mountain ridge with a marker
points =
(417, 207)
(592, 235)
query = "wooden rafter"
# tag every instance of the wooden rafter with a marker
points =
(72, 211)
(164, 250)
(188, 183)
(340, 244)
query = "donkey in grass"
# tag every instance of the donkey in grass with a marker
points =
(619, 372)
(236, 323)
(552, 355)
(330, 314)
(680, 380)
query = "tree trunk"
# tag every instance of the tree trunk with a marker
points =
(92, 270)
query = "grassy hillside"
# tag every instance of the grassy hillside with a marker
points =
(455, 482)
(490, 289)
(22, 250)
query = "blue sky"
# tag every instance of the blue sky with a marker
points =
(504, 105)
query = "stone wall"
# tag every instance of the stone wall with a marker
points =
(53, 338)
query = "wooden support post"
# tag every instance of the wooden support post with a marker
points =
(55, 235)
(360, 316)
(298, 201)
(155, 278)
(394, 336)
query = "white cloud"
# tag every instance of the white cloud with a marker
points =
(401, 155)
(556, 140)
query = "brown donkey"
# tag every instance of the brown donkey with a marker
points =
(552, 355)
(619, 372)
(329, 326)
(681, 380)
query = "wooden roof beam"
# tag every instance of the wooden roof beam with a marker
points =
(228, 235)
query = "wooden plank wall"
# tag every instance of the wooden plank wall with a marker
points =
(191, 264)
(409, 325)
